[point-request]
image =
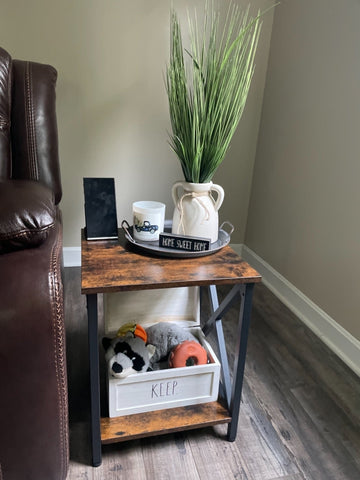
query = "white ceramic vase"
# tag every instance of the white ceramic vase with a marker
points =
(196, 210)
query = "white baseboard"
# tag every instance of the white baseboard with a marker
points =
(339, 340)
(72, 256)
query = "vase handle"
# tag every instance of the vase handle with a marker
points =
(220, 196)
(174, 192)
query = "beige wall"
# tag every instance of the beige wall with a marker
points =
(111, 101)
(304, 215)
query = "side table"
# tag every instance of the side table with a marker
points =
(113, 266)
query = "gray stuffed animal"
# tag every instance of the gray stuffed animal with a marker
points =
(165, 336)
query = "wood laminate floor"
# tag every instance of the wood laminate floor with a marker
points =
(299, 417)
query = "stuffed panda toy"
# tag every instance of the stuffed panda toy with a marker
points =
(126, 355)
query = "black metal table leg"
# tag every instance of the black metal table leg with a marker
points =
(222, 347)
(240, 356)
(246, 293)
(94, 378)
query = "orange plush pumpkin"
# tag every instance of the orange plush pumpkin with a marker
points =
(188, 353)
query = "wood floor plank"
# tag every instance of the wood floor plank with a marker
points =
(332, 422)
(292, 429)
(323, 365)
(258, 439)
(250, 457)
(295, 476)
(80, 460)
(317, 452)
(122, 463)
(168, 458)
(215, 457)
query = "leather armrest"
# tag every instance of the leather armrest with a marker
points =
(27, 214)
(33, 392)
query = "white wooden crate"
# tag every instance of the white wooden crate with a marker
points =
(166, 388)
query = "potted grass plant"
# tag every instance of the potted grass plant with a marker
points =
(207, 87)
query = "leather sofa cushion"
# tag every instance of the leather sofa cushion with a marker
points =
(27, 214)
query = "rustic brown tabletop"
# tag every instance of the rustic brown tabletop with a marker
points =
(115, 265)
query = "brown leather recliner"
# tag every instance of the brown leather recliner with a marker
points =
(33, 383)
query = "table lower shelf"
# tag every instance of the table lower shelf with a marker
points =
(160, 422)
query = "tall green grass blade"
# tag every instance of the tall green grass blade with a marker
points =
(207, 93)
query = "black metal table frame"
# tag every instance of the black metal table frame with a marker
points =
(230, 391)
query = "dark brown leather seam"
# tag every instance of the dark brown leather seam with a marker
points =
(30, 124)
(55, 288)
(21, 233)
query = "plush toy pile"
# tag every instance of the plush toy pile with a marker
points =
(137, 350)
(166, 337)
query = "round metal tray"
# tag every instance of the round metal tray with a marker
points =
(154, 249)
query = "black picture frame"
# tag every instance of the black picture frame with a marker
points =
(100, 208)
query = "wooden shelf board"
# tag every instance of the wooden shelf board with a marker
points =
(160, 422)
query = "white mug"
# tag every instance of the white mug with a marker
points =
(148, 220)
